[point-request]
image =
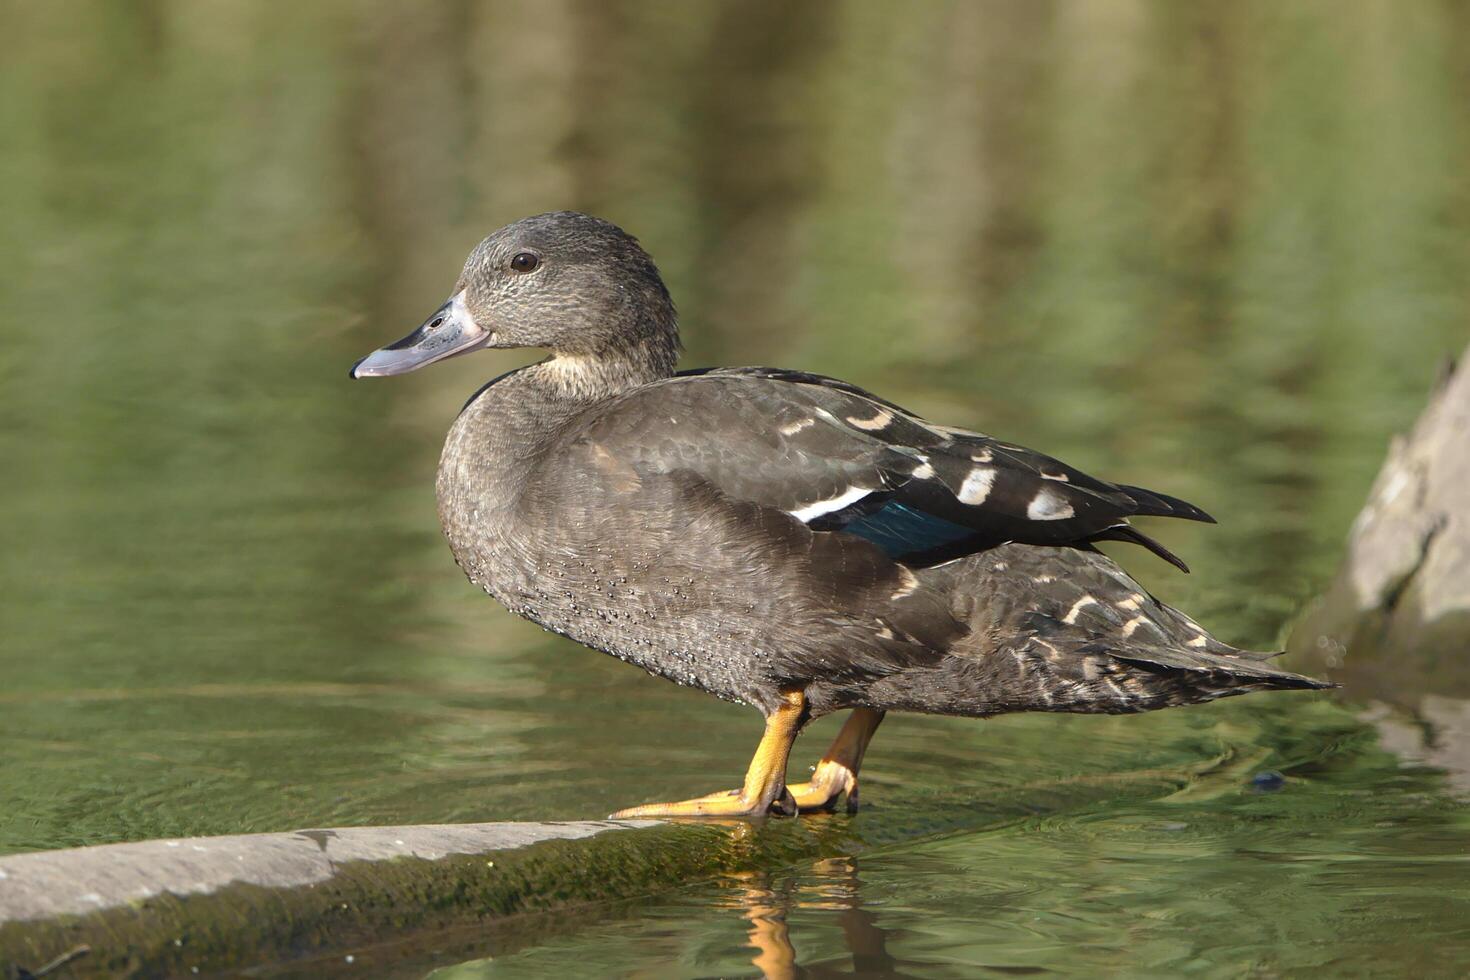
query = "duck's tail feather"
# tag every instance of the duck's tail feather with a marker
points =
(1186, 676)
(1132, 535)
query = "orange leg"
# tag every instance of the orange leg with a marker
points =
(838, 771)
(765, 780)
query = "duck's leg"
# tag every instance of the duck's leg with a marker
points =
(838, 771)
(765, 780)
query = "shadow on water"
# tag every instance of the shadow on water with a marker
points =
(1214, 249)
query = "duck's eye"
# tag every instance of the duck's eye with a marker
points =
(525, 262)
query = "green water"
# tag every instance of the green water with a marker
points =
(1218, 250)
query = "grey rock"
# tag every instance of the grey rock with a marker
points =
(1394, 628)
(1396, 621)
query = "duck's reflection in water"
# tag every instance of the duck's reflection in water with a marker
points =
(766, 899)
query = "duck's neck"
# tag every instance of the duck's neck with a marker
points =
(509, 425)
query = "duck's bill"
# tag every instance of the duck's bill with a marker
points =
(449, 331)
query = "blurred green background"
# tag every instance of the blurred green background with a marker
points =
(1217, 249)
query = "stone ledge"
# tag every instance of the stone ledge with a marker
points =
(84, 880)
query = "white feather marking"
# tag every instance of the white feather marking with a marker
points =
(822, 412)
(1198, 641)
(1130, 603)
(910, 583)
(1059, 477)
(1045, 579)
(811, 512)
(1071, 618)
(923, 472)
(1133, 624)
(983, 456)
(1048, 505)
(977, 485)
(792, 428)
(879, 421)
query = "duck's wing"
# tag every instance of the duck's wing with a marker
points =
(841, 459)
(800, 512)
(695, 483)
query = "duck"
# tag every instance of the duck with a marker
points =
(781, 539)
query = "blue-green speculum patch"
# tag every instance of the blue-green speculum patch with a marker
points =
(450, 330)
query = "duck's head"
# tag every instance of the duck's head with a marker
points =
(571, 283)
